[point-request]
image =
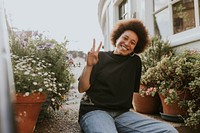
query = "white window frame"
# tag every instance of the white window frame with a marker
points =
(190, 35)
(187, 36)
(125, 14)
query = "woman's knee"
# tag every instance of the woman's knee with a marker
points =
(139, 123)
(97, 121)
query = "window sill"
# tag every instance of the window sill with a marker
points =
(185, 37)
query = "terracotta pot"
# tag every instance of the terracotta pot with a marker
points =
(27, 110)
(173, 109)
(146, 104)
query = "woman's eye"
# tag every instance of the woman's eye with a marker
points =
(125, 38)
(133, 43)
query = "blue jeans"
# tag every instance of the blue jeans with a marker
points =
(129, 122)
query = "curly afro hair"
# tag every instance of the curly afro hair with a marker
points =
(136, 26)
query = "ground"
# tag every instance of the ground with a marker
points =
(66, 119)
(63, 121)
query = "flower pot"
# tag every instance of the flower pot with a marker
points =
(27, 109)
(173, 109)
(146, 104)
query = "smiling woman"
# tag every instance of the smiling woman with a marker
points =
(126, 43)
(107, 103)
(57, 19)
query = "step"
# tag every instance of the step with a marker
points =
(179, 126)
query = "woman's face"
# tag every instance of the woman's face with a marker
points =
(126, 43)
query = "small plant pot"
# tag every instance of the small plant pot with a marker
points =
(146, 104)
(172, 109)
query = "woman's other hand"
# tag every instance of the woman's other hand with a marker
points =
(92, 57)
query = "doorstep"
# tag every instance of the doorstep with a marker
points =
(179, 126)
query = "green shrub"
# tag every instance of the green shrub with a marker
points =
(28, 44)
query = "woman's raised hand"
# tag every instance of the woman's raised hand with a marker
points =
(92, 58)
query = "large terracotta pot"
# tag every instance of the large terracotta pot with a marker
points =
(173, 109)
(146, 104)
(27, 109)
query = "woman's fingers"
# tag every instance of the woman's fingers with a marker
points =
(99, 47)
(93, 47)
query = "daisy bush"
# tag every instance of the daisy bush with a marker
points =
(40, 65)
(31, 75)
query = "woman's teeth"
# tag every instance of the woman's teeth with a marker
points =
(124, 48)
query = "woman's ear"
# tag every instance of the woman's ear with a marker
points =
(115, 42)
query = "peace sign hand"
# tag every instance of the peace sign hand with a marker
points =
(92, 57)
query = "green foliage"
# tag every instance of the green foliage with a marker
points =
(32, 49)
(157, 50)
(179, 73)
(194, 114)
(32, 75)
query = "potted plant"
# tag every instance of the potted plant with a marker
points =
(157, 49)
(148, 91)
(177, 78)
(32, 82)
(146, 95)
(193, 105)
(39, 67)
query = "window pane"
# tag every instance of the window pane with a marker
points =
(120, 12)
(123, 7)
(183, 15)
(162, 23)
(159, 4)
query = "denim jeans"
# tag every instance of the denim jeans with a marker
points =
(129, 122)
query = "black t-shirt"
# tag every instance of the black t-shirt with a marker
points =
(113, 80)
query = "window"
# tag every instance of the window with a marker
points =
(123, 7)
(175, 16)
(159, 4)
(183, 15)
(162, 25)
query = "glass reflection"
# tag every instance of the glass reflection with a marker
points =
(183, 15)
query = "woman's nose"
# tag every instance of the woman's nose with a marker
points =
(126, 43)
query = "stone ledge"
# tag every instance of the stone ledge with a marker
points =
(179, 126)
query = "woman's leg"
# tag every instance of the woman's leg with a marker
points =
(131, 122)
(97, 122)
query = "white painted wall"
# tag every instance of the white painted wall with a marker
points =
(108, 16)
(143, 10)
(6, 78)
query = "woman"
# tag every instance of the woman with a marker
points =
(109, 80)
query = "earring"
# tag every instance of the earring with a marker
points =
(132, 54)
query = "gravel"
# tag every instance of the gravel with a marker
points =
(65, 120)
(62, 121)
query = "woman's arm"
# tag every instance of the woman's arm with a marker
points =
(92, 59)
(84, 80)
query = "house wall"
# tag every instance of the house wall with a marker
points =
(191, 45)
(143, 10)
(6, 79)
